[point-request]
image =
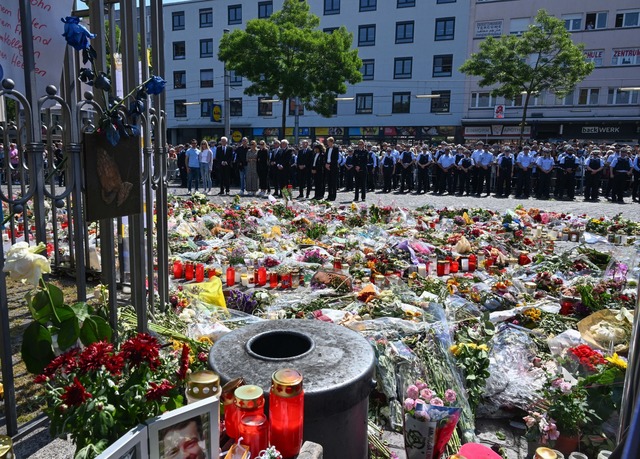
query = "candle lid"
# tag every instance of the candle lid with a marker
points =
(203, 384)
(229, 388)
(248, 396)
(286, 382)
(6, 447)
(545, 453)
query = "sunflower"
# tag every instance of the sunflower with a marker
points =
(617, 361)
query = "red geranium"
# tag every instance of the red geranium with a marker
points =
(157, 391)
(142, 348)
(587, 357)
(75, 394)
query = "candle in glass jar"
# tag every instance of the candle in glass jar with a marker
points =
(453, 266)
(189, 271)
(254, 430)
(273, 279)
(229, 406)
(231, 276)
(422, 270)
(244, 279)
(177, 269)
(464, 264)
(262, 276)
(443, 268)
(286, 412)
(295, 278)
(199, 272)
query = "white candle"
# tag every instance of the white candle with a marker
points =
(464, 264)
(422, 269)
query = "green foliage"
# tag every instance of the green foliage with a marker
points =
(286, 55)
(543, 58)
(55, 319)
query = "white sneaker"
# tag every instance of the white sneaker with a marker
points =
(259, 193)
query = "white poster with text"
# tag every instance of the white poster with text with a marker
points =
(48, 42)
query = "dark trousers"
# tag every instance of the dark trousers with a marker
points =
(303, 178)
(387, 174)
(225, 178)
(484, 180)
(503, 184)
(263, 179)
(524, 183)
(371, 178)
(423, 180)
(183, 177)
(361, 184)
(407, 179)
(544, 185)
(332, 184)
(464, 182)
(635, 191)
(397, 176)
(348, 179)
(618, 186)
(318, 183)
(283, 178)
(568, 184)
(591, 185)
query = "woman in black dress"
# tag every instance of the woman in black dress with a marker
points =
(262, 165)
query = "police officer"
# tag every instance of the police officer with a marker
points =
(524, 162)
(372, 167)
(422, 163)
(621, 168)
(360, 160)
(593, 173)
(387, 163)
(504, 173)
(569, 164)
(446, 162)
(465, 168)
(544, 168)
(406, 162)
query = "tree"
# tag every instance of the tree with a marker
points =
(287, 56)
(543, 58)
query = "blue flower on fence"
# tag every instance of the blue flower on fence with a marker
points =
(76, 34)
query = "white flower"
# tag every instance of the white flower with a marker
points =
(23, 263)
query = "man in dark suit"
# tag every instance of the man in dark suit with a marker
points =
(304, 170)
(331, 169)
(273, 169)
(317, 165)
(224, 157)
(182, 166)
(283, 164)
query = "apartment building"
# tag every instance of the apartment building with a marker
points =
(411, 88)
(604, 106)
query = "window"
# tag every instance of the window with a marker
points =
(235, 106)
(292, 108)
(445, 28)
(446, 1)
(177, 18)
(368, 5)
(179, 50)
(401, 102)
(618, 97)
(481, 100)
(206, 17)
(442, 65)
(234, 80)
(180, 108)
(626, 56)
(565, 100)
(518, 25)
(628, 19)
(441, 104)
(368, 69)
(265, 9)
(519, 100)
(206, 47)
(402, 67)
(594, 55)
(206, 78)
(596, 21)
(235, 14)
(364, 104)
(367, 35)
(330, 29)
(206, 107)
(406, 3)
(265, 108)
(572, 21)
(588, 96)
(404, 32)
(331, 7)
(179, 79)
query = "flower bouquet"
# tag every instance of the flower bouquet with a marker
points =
(429, 421)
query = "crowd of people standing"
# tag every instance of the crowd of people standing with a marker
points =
(319, 170)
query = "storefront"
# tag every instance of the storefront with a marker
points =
(496, 133)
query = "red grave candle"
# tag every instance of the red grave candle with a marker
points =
(188, 271)
(286, 412)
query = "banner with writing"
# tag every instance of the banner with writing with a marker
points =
(48, 42)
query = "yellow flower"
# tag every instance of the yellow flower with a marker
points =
(455, 349)
(483, 347)
(205, 340)
(617, 361)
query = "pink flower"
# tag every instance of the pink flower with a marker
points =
(450, 396)
(556, 382)
(565, 387)
(553, 433)
(409, 404)
(412, 391)
(421, 384)
(436, 401)
(426, 394)
(530, 421)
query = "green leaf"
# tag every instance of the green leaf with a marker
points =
(63, 312)
(95, 329)
(81, 309)
(40, 307)
(69, 333)
(37, 350)
(56, 295)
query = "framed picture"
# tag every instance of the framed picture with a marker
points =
(132, 445)
(113, 177)
(191, 431)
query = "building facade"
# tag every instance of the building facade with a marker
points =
(605, 106)
(409, 48)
